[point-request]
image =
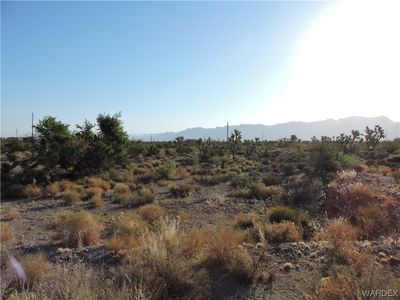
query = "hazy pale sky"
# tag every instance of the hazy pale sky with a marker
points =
(168, 66)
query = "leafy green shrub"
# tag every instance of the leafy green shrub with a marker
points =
(349, 161)
(166, 171)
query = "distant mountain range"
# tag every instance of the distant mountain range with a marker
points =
(303, 130)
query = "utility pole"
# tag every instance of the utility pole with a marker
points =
(227, 131)
(16, 132)
(32, 126)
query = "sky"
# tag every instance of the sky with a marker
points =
(167, 66)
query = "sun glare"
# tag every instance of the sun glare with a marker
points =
(347, 64)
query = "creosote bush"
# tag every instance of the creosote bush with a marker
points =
(77, 229)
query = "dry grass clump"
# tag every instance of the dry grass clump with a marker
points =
(13, 214)
(99, 183)
(372, 221)
(340, 231)
(283, 232)
(240, 264)
(181, 190)
(128, 228)
(335, 287)
(6, 233)
(78, 229)
(71, 197)
(144, 196)
(54, 188)
(35, 266)
(121, 188)
(245, 221)
(370, 212)
(96, 201)
(31, 190)
(68, 185)
(278, 214)
(152, 213)
(183, 172)
(93, 191)
(78, 282)
(263, 192)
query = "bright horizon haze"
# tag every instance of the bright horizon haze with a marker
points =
(167, 66)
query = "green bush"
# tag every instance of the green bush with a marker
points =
(166, 171)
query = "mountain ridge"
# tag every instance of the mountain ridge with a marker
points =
(303, 130)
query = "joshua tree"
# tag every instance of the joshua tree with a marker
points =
(373, 136)
(234, 142)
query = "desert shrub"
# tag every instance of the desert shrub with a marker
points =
(152, 213)
(348, 161)
(240, 264)
(93, 191)
(323, 160)
(166, 171)
(71, 197)
(78, 229)
(335, 287)
(283, 232)
(220, 243)
(78, 281)
(6, 233)
(54, 188)
(121, 188)
(96, 201)
(304, 191)
(284, 213)
(272, 179)
(262, 192)
(344, 199)
(181, 190)
(68, 185)
(241, 180)
(162, 258)
(339, 231)
(35, 266)
(96, 182)
(144, 196)
(183, 172)
(372, 221)
(32, 190)
(13, 214)
(245, 221)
